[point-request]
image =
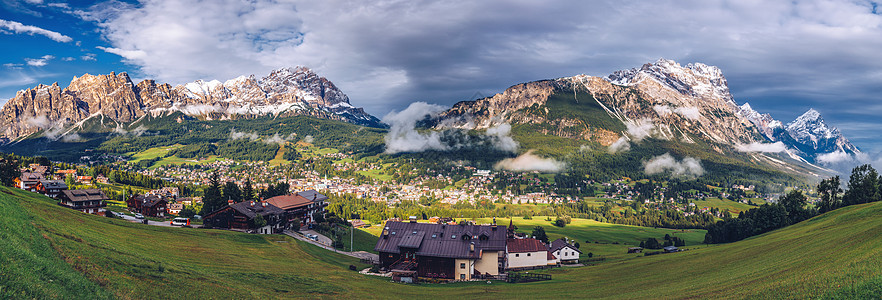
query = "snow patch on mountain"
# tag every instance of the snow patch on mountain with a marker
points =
(695, 79)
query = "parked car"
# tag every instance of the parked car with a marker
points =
(179, 221)
(139, 216)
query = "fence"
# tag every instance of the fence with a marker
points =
(527, 277)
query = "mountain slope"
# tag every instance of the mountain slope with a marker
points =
(284, 92)
(835, 254)
(677, 104)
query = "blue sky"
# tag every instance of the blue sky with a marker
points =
(783, 57)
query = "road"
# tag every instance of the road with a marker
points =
(326, 245)
(149, 222)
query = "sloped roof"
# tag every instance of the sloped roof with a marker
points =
(559, 244)
(84, 195)
(28, 176)
(53, 184)
(525, 245)
(441, 240)
(251, 208)
(313, 195)
(287, 202)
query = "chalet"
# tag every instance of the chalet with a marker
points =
(51, 188)
(84, 179)
(175, 208)
(528, 253)
(242, 216)
(302, 205)
(670, 249)
(564, 252)
(635, 250)
(441, 251)
(148, 205)
(28, 181)
(88, 201)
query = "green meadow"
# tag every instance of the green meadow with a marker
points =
(52, 252)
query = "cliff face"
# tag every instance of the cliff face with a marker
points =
(674, 102)
(284, 92)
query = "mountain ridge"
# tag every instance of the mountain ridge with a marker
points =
(284, 92)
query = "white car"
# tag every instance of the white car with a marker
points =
(139, 216)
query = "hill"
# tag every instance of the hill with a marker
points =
(836, 254)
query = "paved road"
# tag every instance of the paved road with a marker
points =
(149, 222)
(326, 246)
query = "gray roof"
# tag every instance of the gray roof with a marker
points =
(53, 184)
(251, 208)
(441, 240)
(559, 244)
(84, 195)
(313, 195)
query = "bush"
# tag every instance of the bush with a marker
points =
(560, 223)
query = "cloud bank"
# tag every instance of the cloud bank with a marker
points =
(776, 147)
(689, 166)
(530, 162)
(636, 132)
(689, 112)
(403, 135)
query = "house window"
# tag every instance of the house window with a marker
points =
(528, 254)
(517, 255)
(461, 276)
(462, 265)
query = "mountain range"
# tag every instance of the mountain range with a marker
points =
(663, 99)
(688, 105)
(284, 92)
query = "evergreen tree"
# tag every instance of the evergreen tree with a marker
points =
(248, 190)
(539, 234)
(232, 192)
(212, 199)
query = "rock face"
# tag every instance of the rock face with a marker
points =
(677, 102)
(284, 92)
(669, 100)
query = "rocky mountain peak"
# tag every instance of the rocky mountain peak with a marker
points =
(695, 79)
(816, 136)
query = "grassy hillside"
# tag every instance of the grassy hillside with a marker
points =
(837, 254)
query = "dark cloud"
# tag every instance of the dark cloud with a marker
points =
(781, 56)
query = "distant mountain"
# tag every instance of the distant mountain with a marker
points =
(678, 104)
(284, 92)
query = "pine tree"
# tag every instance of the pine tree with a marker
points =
(248, 190)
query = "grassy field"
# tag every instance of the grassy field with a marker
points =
(162, 151)
(838, 254)
(723, 204)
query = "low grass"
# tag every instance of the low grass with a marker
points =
(837, 255)
(606, 240)
(723, 204)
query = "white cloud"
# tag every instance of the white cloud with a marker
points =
(308, 139)
(690, 112)
(17, 27)
(689, 166)
(620, 145)
(13, 66)
(88, 57)
(403, 136)
(662, 110)
(775, 147)
(640, 129)
(834, 157)
(235, 135)
(500, 137)
(530, 162)
(72, 137)
(39, 62)
(38, 121)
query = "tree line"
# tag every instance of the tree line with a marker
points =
(864, 186)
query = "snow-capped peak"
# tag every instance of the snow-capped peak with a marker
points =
(695, 79)
(811, 130)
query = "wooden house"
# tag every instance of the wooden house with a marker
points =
(242, 216)
(302, 205)
(441, 251)
(88, 201)
(28, 181)
(51, 188)
(148, 205)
